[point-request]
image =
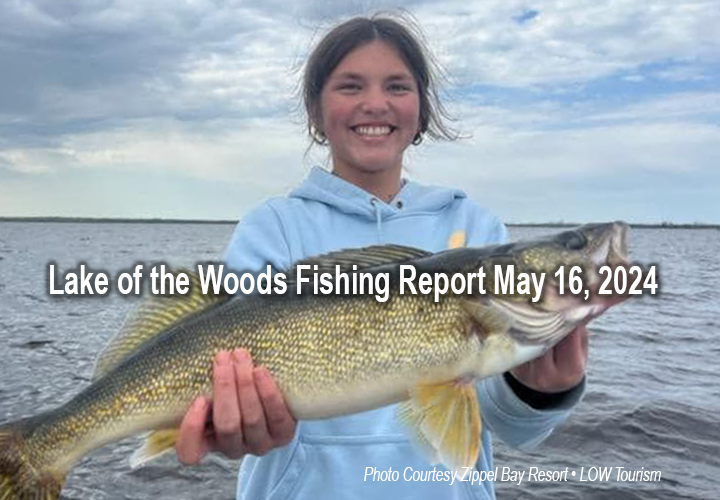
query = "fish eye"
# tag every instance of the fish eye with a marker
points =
(574, 241)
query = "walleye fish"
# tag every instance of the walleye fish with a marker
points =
(330, 355)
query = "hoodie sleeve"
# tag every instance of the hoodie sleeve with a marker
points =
(258, 240)
(511, 419)
(514, 421)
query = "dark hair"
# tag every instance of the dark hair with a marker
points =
(406, 38)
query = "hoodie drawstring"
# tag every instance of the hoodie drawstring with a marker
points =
(378, 219)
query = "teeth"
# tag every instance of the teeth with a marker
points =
(374, 131)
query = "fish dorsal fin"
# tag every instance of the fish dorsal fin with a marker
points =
(445, 419)
(363, 258)
(152, 317)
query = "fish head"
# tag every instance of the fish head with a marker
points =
(569, 258)
(589, 247)
(579, 255)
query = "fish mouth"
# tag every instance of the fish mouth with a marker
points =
(618, 254)
(612, 249)
(611, 252)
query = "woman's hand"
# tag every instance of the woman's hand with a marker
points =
(247, 414)
(559, 369)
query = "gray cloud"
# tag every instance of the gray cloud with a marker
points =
(77, 62)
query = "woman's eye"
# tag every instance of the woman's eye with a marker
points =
(348, 86)
(398, 87)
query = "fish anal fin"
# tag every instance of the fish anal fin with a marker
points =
(157, 443)
(445, 419)
(152, 317)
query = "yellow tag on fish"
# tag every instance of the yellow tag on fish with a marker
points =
(456, 240)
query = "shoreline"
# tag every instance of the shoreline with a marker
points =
(121, 220)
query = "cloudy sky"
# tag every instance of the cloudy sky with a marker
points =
(576, 110)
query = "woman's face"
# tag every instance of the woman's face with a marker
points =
(369, 110)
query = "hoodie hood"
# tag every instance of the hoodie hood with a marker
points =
(324, 187)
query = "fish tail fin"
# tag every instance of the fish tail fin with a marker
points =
(20, 479)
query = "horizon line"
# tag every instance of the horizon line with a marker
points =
(161, 220)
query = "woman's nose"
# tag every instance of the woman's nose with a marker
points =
(375, 101)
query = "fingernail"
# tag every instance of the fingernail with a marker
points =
(223, 358)
(241, 355)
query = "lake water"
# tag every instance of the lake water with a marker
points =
(653, 399)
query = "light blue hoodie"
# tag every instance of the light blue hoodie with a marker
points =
(329, 459)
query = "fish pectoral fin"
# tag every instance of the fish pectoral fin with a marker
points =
(157, 443)
(445, 419)
(530, 325)
(489, 320)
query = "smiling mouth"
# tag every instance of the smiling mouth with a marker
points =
(373, 130)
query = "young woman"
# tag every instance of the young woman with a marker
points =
(369, 95)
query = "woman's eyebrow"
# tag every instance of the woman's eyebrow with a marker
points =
(399, 76)
(347, 75)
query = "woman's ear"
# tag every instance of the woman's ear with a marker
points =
(316, 129)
